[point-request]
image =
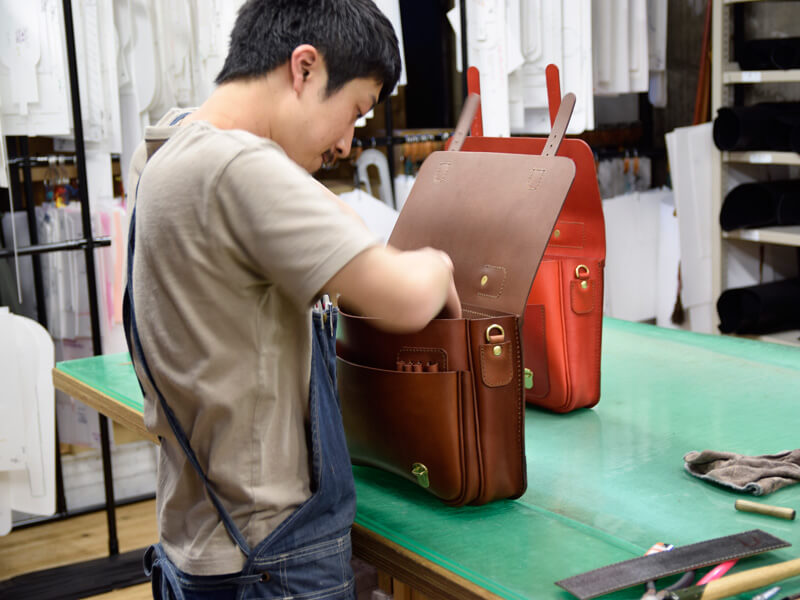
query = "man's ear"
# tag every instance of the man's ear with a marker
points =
(304, 64)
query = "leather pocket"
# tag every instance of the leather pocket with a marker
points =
(412, 424)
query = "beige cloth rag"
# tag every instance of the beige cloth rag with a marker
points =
(757, 475)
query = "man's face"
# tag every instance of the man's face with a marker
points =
(323, 128)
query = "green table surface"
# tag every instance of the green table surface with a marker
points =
(603, 484)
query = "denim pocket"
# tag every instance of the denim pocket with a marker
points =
(317, 572)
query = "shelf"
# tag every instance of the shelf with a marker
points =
(785, 236)
(787, 338)
(770, 76)
(762, 157)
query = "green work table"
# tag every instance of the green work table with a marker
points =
(603, 484)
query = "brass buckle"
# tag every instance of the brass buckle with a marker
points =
(489, 332)
(581, 272)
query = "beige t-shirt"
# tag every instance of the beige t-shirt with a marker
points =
(233, 243)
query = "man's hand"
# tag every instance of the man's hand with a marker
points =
(403, 291)
(452, 305)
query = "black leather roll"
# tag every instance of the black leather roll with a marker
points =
(757, 55)
(765, 126)
(759, 309)
(761, 204)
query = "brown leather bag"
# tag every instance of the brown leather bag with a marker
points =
(444, 407)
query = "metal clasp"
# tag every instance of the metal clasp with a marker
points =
(489, 336)
(582, 273)
(420, 471)
(528, 379)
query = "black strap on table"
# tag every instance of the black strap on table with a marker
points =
(661, 564)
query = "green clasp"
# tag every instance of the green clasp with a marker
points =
(420, 471)
(528, 379)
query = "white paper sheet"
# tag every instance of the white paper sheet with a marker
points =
(486, 50)
(20, 50)
(638, 46)
(690, 153)
(3, 155)
(33, 490)
(375, 158)
(5, 503)
(214, 20)
(146, 65)
(50, 113)
(558, 33)
(632, 232)
(12, 435)
(657, 51)
(378, 217)
(391, 8)
(669, 253)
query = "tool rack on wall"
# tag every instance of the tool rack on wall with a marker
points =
(21, 188)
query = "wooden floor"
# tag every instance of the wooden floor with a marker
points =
(79, 539)
(86, 537)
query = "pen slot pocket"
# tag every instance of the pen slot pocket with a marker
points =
(428, 410)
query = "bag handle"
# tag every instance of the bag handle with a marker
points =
(464, 120)
(553, 143)
(559, 128)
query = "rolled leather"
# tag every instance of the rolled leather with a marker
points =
(761, 204)
(769, 54)
(764, 126)
(762, 308)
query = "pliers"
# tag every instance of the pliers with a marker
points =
(685, 581)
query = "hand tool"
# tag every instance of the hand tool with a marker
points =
(679, 560)
(736, 584)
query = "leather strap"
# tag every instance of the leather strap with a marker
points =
(683, 558)
(464, 120)
(560, 126)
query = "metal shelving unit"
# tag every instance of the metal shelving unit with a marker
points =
(725, 76)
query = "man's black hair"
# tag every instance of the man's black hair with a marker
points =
(354, 37)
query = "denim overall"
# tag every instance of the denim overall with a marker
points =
(308, 555)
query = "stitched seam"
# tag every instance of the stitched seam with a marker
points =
(420, 349)
(583, 236)
(317, 594)
(502, 285)
(520, 396)
(476, 313)
(598, 290)
(475, 418)
(284, 580)
(303, 552)
(461, 443)
(575, 289)
(534, 391)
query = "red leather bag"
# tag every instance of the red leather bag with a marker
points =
(562, 329)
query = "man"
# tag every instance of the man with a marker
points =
(232, 242)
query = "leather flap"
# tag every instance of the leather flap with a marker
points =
(493, 213)
(583, 204)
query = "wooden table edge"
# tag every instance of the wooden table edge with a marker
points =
(102, 403)
(414, 570)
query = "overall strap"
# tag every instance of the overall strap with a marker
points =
(135, 349)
